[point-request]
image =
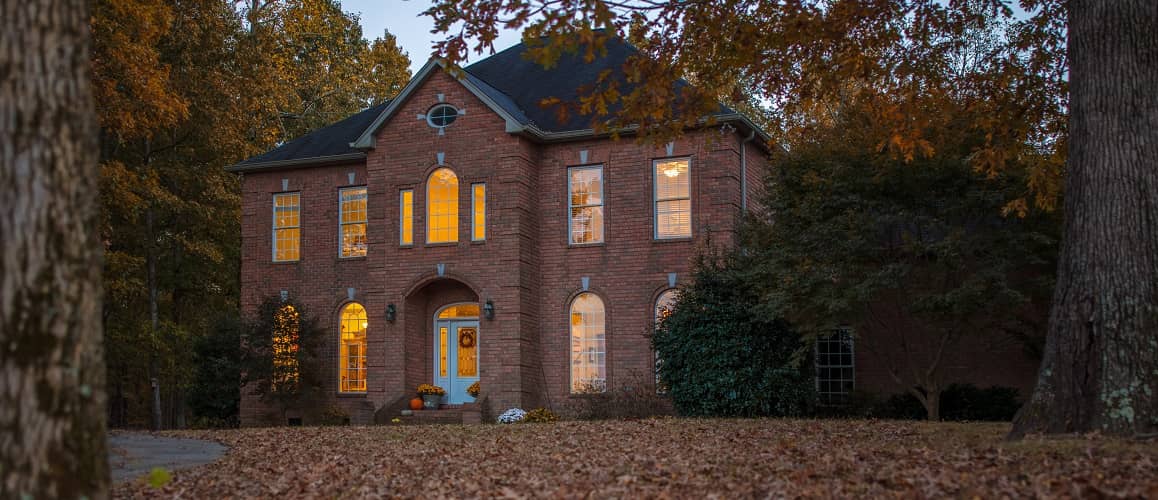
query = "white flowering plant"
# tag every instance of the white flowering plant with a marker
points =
(512, 416)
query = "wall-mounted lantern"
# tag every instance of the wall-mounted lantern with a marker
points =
(391, 313)
(489, 310)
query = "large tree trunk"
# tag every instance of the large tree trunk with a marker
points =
(1100, 366)
(52, 397)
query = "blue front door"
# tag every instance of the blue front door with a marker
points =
(456, 363)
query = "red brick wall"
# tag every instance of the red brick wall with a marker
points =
(319, 280)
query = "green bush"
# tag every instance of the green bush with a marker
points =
(721, 355)
(216, 389)
(968, 402)
(959, 402)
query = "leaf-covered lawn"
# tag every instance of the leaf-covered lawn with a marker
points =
(658, 458)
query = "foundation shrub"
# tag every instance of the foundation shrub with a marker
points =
(723, 354)
(959, 403)
(633, 399)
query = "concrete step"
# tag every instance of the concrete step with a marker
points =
(468, 413)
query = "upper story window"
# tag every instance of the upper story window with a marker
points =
(585, 204)
(478, 216)
(835, 368)
(673, 199)
(286, 227)
(442, 207)
(588, 344)
(406, 217)
(352, 355)
(441, 115)
(352, 219)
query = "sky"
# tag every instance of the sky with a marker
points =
(403, 19)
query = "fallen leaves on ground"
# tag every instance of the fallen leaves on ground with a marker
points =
(662, 458)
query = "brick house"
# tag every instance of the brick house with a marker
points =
(461, 233)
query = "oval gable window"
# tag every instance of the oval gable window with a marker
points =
(441, 116)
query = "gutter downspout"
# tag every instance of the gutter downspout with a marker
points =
(744, 172)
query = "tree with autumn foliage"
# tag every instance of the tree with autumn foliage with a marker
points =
(182, 92)
(800, 57)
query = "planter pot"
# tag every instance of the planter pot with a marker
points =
(430, 401)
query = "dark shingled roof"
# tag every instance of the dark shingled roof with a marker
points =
(513, 83)
(331, 140)
(527, 83)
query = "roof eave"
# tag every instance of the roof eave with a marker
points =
(243, 168)
(574, 135)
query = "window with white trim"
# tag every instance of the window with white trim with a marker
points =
(352, 351)
(585, 204)
(478, 207)
(673, 198)
(284, 346)
(286, 227)
(442, 207)
(588, 344)
(663, 306)
(441, 115)
(835, 366)
(406, 217)
(352, 221)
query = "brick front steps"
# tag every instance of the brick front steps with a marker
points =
(469, 413)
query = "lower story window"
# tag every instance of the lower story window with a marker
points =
(835, 367)
(588, 344)
(352, 355)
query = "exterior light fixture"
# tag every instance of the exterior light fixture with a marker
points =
(489, 310)
(391, 313)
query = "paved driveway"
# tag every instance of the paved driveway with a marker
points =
(134, 454)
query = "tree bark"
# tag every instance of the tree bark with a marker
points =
(1100, 365)
(52, 396)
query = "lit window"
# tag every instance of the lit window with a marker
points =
(352, 219)
(835, 369)
(588, 344)
(284, 344)
(286, 226)
(673, 199)
(585, 202)
(459, 311)
(663, 306)
(442, 207)
(441, 115)
(406, 222)
(478, 217)
(352, 355)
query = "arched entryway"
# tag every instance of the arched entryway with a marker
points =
(443, 337)
(456, 348)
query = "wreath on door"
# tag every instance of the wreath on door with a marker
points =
(466, 340)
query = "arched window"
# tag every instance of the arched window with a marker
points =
(663, 305)
(284, 344)
(352, 352)
(588, 344)
(442, 207)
